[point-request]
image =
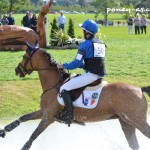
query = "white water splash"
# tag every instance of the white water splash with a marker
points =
(106, 135)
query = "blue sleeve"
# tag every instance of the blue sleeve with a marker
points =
(76, 63)
(73, 65)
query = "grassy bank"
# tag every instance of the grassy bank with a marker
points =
(127, 60)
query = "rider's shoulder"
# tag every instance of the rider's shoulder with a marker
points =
(86, 43)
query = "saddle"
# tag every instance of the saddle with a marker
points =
(77, 92)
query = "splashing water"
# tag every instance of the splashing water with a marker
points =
(106, 135)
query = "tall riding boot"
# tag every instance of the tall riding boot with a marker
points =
(67, 114)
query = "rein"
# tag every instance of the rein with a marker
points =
(24, 71)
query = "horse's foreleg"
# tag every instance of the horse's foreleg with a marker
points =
(129, 132)
(46, 120)
(16, 123)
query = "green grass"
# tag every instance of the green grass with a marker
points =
(127, 60)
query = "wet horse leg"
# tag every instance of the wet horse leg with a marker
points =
(145, 129)
(46, 120)
(137, 117)
(16, 123)
(140, 124)
(129, 132)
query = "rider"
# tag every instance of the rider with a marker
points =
(90, 57)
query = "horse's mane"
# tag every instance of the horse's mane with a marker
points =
(53, 63)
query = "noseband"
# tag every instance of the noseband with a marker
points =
(29, 58)
(24, 71)
(23, 68)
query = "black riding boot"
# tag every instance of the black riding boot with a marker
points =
(67, 114)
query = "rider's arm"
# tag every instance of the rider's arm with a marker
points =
(76, 63)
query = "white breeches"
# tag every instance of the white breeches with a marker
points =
(79, 81)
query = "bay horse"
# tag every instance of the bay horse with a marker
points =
(121, 101)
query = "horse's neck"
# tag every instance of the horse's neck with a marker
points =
(48, 78)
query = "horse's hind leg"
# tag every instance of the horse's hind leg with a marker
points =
(129, 132)
(144, 128)
(14, 124)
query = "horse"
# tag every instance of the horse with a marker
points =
(121, 101)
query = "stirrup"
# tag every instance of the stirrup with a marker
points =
(65, 116)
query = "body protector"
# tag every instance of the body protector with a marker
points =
(95, 64)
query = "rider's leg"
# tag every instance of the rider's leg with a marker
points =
(68, 114)
(80, 81)
(74, 83)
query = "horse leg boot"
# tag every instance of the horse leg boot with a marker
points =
(67, 115)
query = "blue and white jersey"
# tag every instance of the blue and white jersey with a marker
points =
(90, 57)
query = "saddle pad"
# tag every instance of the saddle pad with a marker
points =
(89, 98)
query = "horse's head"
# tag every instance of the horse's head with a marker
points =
(26, 65)
(36, 59)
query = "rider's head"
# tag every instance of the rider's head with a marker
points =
(90, 28)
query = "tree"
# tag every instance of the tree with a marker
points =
(17, 4)
(3, 6)
(54, 29)
(129, 2)
(82, 3)
(127, 14)
(102, 6)
(71, 28)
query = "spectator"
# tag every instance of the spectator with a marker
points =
(34, 22)
(4, 20)
(26, 20)
(130, 24)
(30, 14)
(118, 22)
(0, 19)
(11, 19)
(61, 21)
(143, 23)
(137, 24)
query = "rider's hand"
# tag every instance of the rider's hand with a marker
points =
(59, 66)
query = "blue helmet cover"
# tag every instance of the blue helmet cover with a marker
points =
(90, 26)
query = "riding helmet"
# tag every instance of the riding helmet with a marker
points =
(90, 26)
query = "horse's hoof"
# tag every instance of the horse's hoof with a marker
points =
(27, 146)
(2, 133)
(12, 126)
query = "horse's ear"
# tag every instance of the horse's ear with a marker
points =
(28, 45)
(36, 43)
(29, 48)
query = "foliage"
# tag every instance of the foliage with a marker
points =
(129, 2)
(127, 14)
(82, 3)
(73, 7)
(102, 7)
(54, 28)
(60, 37)
(71, 28)
(3, 6)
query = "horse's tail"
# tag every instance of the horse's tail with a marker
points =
(146, 89)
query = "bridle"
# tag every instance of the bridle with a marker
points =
(24, 71)
(29, 58)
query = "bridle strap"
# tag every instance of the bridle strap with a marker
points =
(28, 58)
(60, 71)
